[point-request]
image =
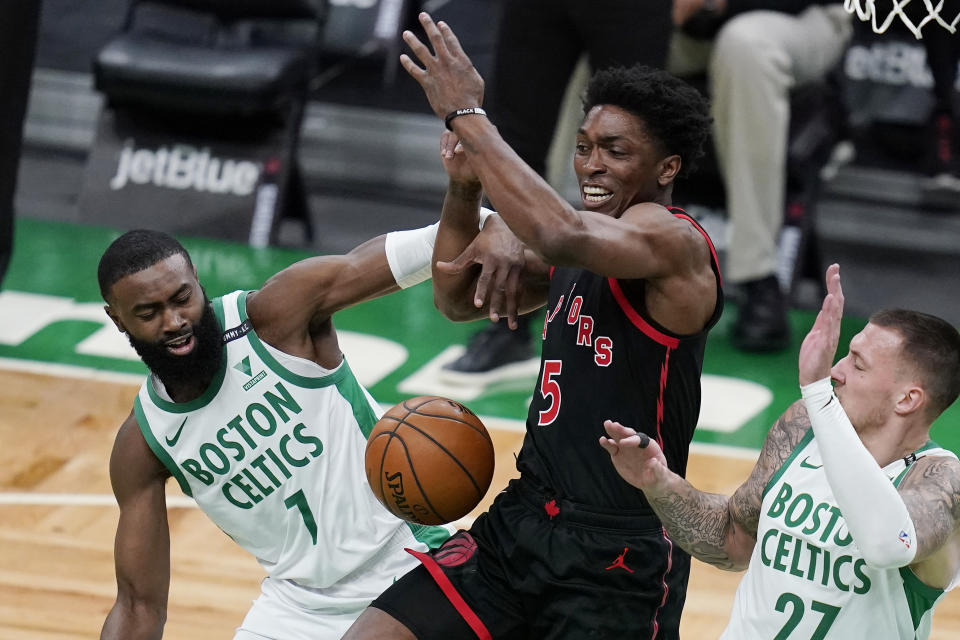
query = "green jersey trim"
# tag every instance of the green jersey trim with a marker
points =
(929, 445)
(804, 441)
(920, 597)
(352, 392)
(157, 448)
(293, 378)
(433, 537)
(212, 389)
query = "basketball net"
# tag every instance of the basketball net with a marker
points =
(866, 10)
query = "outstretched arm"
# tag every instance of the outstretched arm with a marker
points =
(467, 283)
(874, 512)
(716, 529)
(292, 310)
(142, 545)
(645, 242)
(915, 524)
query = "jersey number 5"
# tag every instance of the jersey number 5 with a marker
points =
(550, 390)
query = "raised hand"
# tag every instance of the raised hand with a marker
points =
(501, 256)
(448, 78)
(636, 457)
(455, 160)
(820, 346)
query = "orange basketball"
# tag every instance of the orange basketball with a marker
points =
(429, 460)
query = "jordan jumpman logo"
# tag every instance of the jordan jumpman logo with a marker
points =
(619, 561)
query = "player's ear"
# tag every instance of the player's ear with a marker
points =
(668, 170)
(114, 318)
(912, 400)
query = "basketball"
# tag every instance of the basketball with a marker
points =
(429, 460)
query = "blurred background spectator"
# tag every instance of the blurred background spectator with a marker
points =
(755, 53)
(18, 38)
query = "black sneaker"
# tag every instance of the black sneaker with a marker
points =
(761, 324)
(495, 351)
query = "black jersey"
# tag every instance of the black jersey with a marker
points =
(605, 358)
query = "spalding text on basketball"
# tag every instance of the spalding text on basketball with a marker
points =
(416, 512)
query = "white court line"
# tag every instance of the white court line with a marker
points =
(71, 371)
(30, 499)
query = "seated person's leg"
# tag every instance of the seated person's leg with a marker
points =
(759, 57)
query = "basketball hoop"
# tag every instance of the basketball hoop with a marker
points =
(866, 10)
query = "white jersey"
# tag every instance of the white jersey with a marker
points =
(807, 578)
(273, 453)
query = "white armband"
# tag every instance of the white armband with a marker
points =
(875, 514)
(484, 214)
(410, 253)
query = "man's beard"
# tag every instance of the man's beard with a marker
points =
(198, 366)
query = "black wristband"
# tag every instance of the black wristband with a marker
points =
(462, 112)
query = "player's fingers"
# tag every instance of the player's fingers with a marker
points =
(419, 49)
(512, 296)
(452, 267)
(610, 445)
(616, 430)
(484, 284)
(433, 34)
(450, 39)
(411, 67)
(448, 144)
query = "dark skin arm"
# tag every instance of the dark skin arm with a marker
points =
(716, 529)
(465, 286)
(293, 310)
(645, 242)
(142, 545)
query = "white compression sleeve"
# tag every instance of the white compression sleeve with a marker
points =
(876, 515)
(409, 254)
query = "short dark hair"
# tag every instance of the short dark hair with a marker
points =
(931, 345)
(674, 113)
(135, 251)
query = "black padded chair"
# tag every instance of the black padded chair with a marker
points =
(233, 57)
(209, 70)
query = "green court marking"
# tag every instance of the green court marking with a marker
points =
(59, 259)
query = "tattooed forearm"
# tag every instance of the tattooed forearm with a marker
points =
(698, 522)
(931, 492)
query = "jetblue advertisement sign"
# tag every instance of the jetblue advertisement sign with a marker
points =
(142, 172)
(886, 79)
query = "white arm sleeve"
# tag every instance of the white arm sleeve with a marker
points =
(409, 253)
(876, 515)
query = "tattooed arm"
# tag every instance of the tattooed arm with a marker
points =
(715, 529)
(931, 492)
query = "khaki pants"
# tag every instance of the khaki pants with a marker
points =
(752, 65)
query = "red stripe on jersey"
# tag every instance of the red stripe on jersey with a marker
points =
(551, 271)
(663, 581)
(713, 250)
(637, 320)
(664, 368)
(452, 594)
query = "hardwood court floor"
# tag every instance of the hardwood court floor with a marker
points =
(56, 560)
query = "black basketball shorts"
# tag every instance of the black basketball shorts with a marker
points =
(541, 567)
